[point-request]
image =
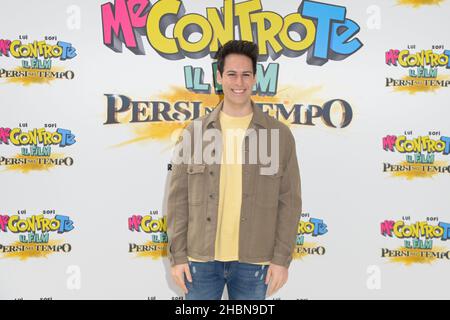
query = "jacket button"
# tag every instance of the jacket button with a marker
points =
(211, 196)
(208, 219)
(191, 170)
(211, 172)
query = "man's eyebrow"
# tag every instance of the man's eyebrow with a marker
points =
(233, 71)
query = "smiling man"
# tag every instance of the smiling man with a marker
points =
(234, 223)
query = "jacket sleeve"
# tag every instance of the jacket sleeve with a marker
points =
(177, 213)
(289, 208)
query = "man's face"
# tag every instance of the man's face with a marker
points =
(237, 79)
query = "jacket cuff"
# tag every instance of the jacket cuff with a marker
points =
(282, 260)
(178, 260)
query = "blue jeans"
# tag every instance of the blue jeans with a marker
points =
(244, 281)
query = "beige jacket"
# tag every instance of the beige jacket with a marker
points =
(271, 203)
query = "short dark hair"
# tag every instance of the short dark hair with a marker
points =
(243, 47)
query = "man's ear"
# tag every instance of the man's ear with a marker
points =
(218, 77)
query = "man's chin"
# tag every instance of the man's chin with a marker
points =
(238, 100)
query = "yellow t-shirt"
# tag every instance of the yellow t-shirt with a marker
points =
(230, 195)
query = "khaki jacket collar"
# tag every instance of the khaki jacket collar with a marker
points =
(258, 118)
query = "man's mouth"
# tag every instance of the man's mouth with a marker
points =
(238, 91)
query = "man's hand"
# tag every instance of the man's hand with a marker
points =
(277, 276)
(178, 272)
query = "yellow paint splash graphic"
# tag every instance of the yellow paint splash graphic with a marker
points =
(33, 79)
(299, 254)
(421, 87)
(415, 257)
(417, 170)
(419, 3)
(27, 167)
(163, 130)
(288, 95)
(30, 250)
(161, 251)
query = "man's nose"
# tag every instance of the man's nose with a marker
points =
(239, 80)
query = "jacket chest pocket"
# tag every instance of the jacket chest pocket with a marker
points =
(196, 183)
(268, 188)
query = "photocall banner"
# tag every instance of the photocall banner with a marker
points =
(94, 94)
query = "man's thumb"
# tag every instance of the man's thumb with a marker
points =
(188, 273)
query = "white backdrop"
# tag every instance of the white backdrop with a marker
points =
(119, 170)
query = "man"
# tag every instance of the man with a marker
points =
(234, 222)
